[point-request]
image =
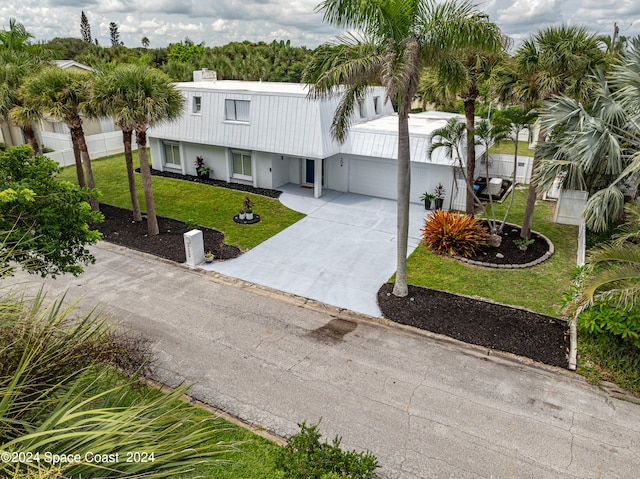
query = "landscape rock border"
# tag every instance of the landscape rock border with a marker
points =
(530, 264)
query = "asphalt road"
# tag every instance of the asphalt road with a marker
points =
(426, 406)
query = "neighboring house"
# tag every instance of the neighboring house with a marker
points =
(268, 134)
(103, 137)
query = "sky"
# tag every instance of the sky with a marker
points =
(217, 22)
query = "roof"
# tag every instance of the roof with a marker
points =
(379, 137)
(278, 88)
(64, 64)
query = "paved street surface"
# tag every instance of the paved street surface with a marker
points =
(427, 407)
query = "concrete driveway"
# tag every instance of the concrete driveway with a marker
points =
(339, 254)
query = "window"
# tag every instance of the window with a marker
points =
(241, 165)
(171, 154)
(361, 109)
(236, 110)
(59, 127)
(376, 104)
(197, 104)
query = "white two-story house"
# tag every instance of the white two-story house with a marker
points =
(269, 134)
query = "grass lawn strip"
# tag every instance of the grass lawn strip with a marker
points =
(538, 289)
(205, 205)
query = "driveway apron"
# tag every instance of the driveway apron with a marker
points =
(339, 254)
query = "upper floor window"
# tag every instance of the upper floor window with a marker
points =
(361, 109)
(376, 104)
(197, 104)
(236, 110)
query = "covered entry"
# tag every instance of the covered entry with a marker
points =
(313, 175)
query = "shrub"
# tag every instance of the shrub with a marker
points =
(57, 396)
(605, 319)
(455, 234)
(304, 457)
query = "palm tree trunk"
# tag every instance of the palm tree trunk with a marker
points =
(527, 221)
(78, 157)
(30, 136)
(128, 158)
(513, 184)
(145, 173)
(470, 118)
(400, 287)
(78, 132)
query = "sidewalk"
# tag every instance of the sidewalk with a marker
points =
(426, 406)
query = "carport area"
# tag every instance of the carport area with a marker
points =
(339, 254)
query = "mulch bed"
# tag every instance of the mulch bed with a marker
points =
(508, 252)
(541, 338)
(119, 228)
(525, 333)
(221, 183)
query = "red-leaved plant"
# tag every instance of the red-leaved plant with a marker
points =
(455, 234)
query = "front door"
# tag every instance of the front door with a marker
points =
(310, 169)
(309, 172)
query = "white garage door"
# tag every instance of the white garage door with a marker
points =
(373, 177)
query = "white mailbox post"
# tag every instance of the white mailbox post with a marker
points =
(194, 247)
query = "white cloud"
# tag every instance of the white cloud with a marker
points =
(217, 22)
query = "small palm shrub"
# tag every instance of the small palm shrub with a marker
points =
(454, 234)
(61, 394)
(305, 457)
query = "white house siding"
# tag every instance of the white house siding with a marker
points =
(280, 170)
(425, 178)
(337, 173)
(282, 124)
(262, 169)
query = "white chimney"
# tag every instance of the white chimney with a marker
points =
(204, 75)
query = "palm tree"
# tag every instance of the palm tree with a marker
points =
(106, 96)
(19, 59)
(140, 97)
(398, 38)
(461, 74)
(597, 147)
(515, 120)
(451, 138)
(15, 67)
(63, 95)
(487, 135)
(17, 38)
(24, 117)
(612, 272)
(557, 60)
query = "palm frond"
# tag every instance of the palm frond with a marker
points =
(604, 207)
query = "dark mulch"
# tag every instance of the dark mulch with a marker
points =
(119, 228)
(508, 252)
(536, 336)
(222, 184)
(533, 335)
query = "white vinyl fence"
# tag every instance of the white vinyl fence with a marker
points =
(99, 145)
(501, 166)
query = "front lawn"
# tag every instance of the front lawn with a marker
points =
(204, 204)
(539, 288)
